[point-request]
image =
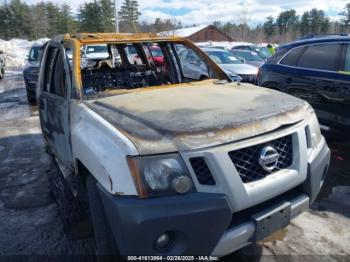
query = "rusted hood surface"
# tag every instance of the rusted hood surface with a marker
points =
(197, 116)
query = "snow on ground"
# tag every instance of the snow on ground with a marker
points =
(16, 50)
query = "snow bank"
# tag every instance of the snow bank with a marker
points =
(229, 45)
(16, 50)
(225, 44)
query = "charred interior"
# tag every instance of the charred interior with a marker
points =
(137, 65)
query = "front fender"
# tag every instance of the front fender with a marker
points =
(102, 149)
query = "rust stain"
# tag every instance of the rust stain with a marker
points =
(150, 88)
(78, 40)
(195, 121)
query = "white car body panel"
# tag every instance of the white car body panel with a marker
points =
(102, 149)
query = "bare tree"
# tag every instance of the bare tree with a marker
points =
(245, 17)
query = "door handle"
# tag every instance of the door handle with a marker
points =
(289, 80)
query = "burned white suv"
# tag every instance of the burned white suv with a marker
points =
(168, 164)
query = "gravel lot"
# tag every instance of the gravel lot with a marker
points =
(31, 224)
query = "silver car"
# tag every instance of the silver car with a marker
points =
(233, 64)
(249, 57)
(194, 67)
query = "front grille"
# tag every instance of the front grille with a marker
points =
(248, 78)
(202, 171)
(246, 160)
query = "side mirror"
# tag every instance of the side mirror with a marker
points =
(242, 60)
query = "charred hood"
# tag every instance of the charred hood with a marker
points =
(194, 116)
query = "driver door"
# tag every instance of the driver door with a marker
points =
(54, 101)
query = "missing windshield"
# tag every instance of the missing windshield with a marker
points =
(108, 67)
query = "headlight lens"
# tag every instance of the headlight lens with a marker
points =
(234, 77)
(314, 135)
(160, 175)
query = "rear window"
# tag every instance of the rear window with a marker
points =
(96, 49)
(322, 57)
(280, 52)
(293, 56)
(249, 56)
(34, 54)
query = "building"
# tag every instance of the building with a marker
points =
(199, 34)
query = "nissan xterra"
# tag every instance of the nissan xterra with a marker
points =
(163, 163)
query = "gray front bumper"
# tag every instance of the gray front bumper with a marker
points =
(242, 235)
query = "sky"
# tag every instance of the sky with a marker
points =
(202, 12)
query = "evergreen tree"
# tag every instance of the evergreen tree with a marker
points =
(304, 27)
(16, 18)
(53, 17)
(89, 17)
(107, 15)
(318, 21)
(129, 15)
(287, 21)
(66, 22)
(345, 20)
(38, 21)
(269, 27)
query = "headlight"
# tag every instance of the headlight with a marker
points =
(234, 77)
(160, 175)
(313, 132)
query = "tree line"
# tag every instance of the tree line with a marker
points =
(288, 26)
(47, 19)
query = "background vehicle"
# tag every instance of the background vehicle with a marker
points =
(193, 65)
(250, 57)
(159, 157)
(95, 52)
(157, 55)
(231, 63)
(316, 69)
(2, 64)
(262, 51)
(31, 72)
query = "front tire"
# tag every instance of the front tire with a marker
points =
(2, 73)
(31, 99)
(69, 206)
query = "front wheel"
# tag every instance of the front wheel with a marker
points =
(31, 99)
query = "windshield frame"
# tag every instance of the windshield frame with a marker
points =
(77, 74)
